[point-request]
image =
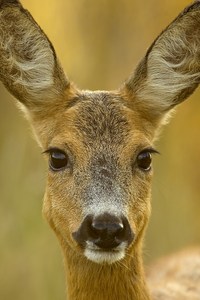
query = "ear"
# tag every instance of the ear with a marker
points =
(29, 67)
(170, 71)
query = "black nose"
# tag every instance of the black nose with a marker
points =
(105, 231)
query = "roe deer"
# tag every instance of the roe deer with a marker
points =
(99, 146)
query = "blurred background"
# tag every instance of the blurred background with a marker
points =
(99, 43)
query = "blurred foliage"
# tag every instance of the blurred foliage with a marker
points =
(99, 43)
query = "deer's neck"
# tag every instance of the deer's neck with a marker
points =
(120, 281)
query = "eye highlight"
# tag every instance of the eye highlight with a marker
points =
(144, 159)
(58, 159)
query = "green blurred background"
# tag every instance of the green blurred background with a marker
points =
(99, 44)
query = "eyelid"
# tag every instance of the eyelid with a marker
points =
(150, 150)
(51, 149)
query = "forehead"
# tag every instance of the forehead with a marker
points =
(99, 120)
(101, 116)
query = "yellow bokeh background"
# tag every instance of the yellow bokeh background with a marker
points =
(99, 43)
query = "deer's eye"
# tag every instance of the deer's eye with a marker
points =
(58, 159)
(144, 160)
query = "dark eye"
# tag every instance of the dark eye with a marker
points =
(58, 159)
(144, 160)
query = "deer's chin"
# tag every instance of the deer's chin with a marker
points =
(101, 256)
(104, 257)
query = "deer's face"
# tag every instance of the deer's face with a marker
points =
(99, 144)
(97, 197)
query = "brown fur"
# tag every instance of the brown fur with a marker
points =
(102, 133)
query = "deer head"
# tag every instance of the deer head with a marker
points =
(99, 144)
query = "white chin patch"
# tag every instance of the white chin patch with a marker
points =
(101, 257)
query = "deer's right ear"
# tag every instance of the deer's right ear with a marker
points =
(170, 71)
(29, 67)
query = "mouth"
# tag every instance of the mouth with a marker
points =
(103, 256)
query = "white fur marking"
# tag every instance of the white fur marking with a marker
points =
(27, 57)
(102, 200)
(96, 255)
(172, 66)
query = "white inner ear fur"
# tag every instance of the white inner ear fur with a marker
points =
(35, 75)
(172, 66)
(27, 56)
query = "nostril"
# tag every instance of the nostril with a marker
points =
(106, 235)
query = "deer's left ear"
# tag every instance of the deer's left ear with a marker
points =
(170, 71)
(29, 67)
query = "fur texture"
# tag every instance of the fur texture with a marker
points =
(103, 136)
(29, 67)
(170, 71)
